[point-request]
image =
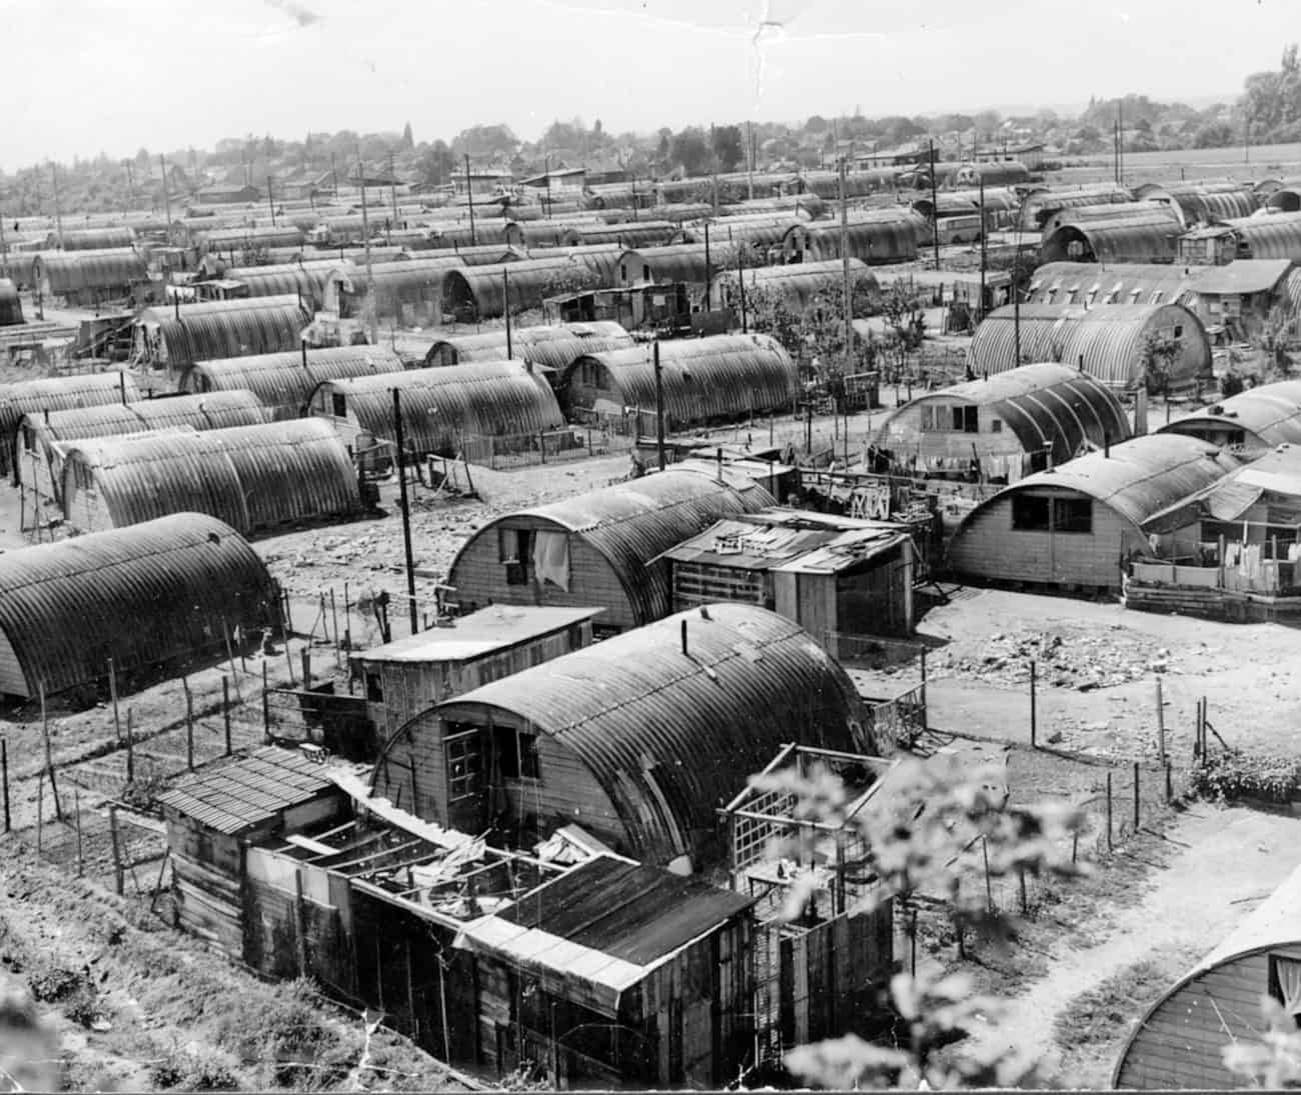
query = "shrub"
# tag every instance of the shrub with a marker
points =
(1273, 777)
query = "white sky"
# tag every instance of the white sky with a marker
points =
(84, 76)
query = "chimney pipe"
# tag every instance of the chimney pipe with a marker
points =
(719, 458)
(303, 345)
(684, 636)
(1106, 444)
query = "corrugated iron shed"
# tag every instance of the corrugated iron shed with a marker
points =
(93, 239)
(1152, 238)
(57, 393)
(241, 794)
(796, 283)
(1268, 236)
(1271, 413)
(721, 376)
(142, 596)
(1045, 405)
(553, 347)
(253, 477)
(226, 328)
(1276, 473)
(285, 381)
(655, 723)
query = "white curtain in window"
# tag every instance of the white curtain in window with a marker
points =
(1289, 983)
(551, 558)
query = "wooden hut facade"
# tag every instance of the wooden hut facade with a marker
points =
(1078, 526)
(596, 549)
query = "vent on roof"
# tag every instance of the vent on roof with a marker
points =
(727, 545)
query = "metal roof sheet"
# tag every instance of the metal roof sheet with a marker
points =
(1241, 276)
(238, 795)
(1272, 412)
(490, 629)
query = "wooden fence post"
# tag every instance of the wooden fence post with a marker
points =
(130, 749)
(112, 690)
(266, 706)
(118, 881)
(225, 711)
(307, 669)
(1109, 844)
(4, 777)
(189, 726)
(49, 755)
(40, 808)
(76, 806)
(1136, 799)
(1169, 784)
(1160, 722)
(300, 936)
(1033, 705)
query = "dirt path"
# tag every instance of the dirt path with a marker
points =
(1247, 854)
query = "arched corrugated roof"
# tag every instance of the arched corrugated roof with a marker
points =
(288, 279)
(1040, 204)
(631, 523)
(684, 729)
(1084, 215)
(226, 239)
(1272, 925)
(253, 477)
(285, 381)
(57, 393)
(1204, 203)
(224, 328)
(554, 347)
(1109, 338)
(1043, 404)
(479, 292)
(442, 405)
(675, 262)
(60, 273)
(628, 234)
(1094, 283)
(875, 236)
(996, 173)
(1151, 238)
(1136, 479)
(722, 376)
(1268, 236)
(796, 282)
(1271, 411)
(93, 239)
(1286, 199)
(141, 596)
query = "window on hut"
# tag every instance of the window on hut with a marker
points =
(464, 761)
(1073, 514)
(374, 689)
(339, 406)
(517, 753)
(1029, 513)
(966, 420)
(1285, 984)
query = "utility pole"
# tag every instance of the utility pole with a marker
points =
(935, 208)
(398, 456)
(334, 175)
(749, 156)
(4, 248)
(659, 403)
(393, 187)
(58, 213)
(469, 193)
(546, 176)
(844, 264)
(505, 307)
(167, 192)
(1016, 300)
(1120, 139)
(740, 281)
(271, 201)
(980, 182)
(709, 273)
(370, 270)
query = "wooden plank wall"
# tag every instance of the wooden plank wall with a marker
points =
(207, 904)
(480, 579)
(1181, 1043)
(988, 547)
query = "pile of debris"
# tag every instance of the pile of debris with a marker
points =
(1064, 658)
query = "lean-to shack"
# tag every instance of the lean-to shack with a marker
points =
(639, 739)
(596, 549)
(164, 590)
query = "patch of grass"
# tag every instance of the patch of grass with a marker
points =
(1101, 1015)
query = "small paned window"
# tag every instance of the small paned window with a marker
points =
(1029, 513)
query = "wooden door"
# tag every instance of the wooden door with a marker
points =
(466, 779)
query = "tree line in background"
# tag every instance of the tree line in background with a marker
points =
(1268, 111)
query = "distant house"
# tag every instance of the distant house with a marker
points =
(829, 574)
(227, 194)
(480, 182)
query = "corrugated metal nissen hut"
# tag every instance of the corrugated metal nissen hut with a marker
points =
(56, 393)
(284, 382)
(179, 336)
(597, 548)
(442, 408)
(550, 347)
(1251, 421)
(169, 589)
(1078, 526)
(256, 478)
(1005, 426)
(706, 379)
(639, 739)
(1114, 343)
